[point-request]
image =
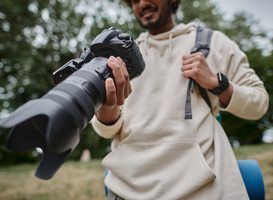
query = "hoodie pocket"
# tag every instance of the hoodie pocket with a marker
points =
(157, 171)
(203, 161)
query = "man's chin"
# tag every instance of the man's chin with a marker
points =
(149, 25)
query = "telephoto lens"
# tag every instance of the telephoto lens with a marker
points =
(55, 121)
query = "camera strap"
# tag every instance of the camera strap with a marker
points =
(202, 44)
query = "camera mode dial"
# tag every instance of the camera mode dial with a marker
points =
(124, 36)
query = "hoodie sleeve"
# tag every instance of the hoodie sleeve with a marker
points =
(249, 99)
(106, 131)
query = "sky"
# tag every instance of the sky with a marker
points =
(261, 9)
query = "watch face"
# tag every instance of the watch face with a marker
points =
(223, 84)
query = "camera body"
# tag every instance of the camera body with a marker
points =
(55, 121)
(110, 42)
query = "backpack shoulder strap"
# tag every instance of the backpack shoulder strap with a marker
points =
(202, 41)
(202, 44)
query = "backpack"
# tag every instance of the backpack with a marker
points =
(202, 44)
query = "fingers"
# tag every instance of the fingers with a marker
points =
(196, 58)
(127, 85)
(122, 82)
(188, 59)
(109, 113)
(111, 99)
(195, 66)
(194, 63)
(119, 79)
(116, 91)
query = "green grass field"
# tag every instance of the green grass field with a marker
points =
(74, 180)
(84, 180)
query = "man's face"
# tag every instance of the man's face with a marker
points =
(152, 14)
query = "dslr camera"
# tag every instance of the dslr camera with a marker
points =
(55, 121)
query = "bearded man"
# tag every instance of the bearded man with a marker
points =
(157, 154)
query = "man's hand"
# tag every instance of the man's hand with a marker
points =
(116, 92)
(195, 66)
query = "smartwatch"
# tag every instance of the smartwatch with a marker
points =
(223, 84)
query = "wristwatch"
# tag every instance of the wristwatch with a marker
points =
(223, 84)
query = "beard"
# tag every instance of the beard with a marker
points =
(165, 15)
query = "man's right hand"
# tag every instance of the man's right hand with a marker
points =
(116, 92)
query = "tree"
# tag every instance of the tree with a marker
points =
(39, 36)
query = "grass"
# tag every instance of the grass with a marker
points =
(84, 180)
(74, 180)
(263, 154)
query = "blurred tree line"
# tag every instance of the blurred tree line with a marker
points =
(39, 36)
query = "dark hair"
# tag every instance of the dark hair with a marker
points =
(175, 5)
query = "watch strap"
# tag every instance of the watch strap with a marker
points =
(223, 84)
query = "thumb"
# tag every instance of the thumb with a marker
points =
(109, 83)
(110, 92)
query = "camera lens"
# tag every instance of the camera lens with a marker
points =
(55, 121)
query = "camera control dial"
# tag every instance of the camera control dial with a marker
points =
(124, 36)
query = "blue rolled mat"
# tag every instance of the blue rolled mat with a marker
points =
(253, 179)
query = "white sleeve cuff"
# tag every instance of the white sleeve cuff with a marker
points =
(106, 131)
(239, 104)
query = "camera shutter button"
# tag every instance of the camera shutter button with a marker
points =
(124, 36)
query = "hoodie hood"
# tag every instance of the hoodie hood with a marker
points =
(177, 30)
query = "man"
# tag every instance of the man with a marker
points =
(156, 152)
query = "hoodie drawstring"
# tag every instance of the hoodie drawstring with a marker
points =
(146, 44)
(170, 45)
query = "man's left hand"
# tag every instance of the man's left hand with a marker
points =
(195, 66)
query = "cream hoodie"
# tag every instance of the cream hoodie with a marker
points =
(156, 153)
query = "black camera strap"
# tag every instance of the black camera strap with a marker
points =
(202, 44)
